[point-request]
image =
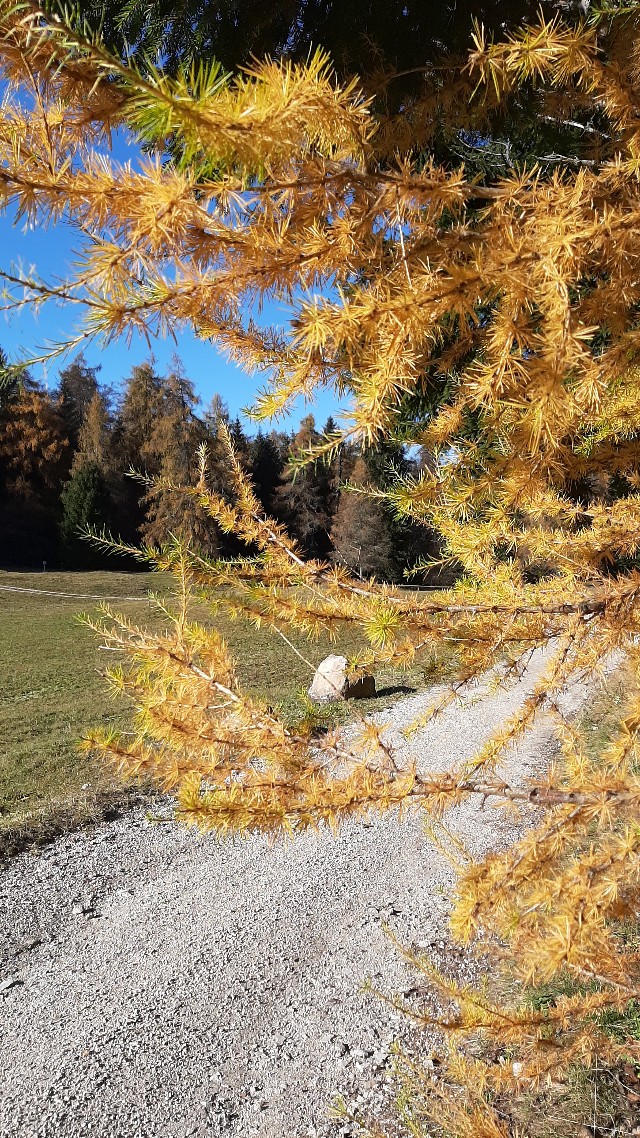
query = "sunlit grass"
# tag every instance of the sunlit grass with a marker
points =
(52, 690)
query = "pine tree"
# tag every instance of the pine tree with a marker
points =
(85, 506)
(266, 466)
(302, 498)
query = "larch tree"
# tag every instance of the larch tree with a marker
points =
(34, 461)
(139, 408)
(34, 447)
(173, 441)
(77, 386)
(95, 435)
(493, 322)
(408, 57)
(360, 533)
(133, 427)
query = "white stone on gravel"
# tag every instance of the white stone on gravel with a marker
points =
(174, 985)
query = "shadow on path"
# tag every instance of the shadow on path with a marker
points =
(399, 689)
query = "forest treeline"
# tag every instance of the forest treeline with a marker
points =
(68, 457)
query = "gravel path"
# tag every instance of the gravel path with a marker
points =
(159, 983)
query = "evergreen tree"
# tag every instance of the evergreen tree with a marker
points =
(85, 505)
(412, 543)
(266, 465)
(302, 497)
(240, 441)
(13, 377)
(215, 414)
(334, 470)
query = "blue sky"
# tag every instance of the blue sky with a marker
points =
(48, 252)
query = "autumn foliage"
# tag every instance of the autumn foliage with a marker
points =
(493, 323)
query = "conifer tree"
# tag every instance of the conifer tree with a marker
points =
(360, 533)
(337, 466)
(138, 412)
(85, 506)
(34, 460)
(303, 496)
(215, 421)
(34, 448)
(94, 436)
(13, 379)
(266, 466)
(172, 446)
(215, 415)
(133, 427)
(77, 386)
(239, 439)
(409, 57)
(415, 546)
(495, 324)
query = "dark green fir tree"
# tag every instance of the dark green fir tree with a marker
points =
(85, 505)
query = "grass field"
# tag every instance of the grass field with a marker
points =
(52, 692)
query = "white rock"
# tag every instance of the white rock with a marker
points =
(10, 982)
(330, 680)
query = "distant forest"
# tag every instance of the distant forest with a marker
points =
(66, 457)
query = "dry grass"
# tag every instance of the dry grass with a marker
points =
(53, 691)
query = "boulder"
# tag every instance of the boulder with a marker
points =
(364, 688)
(330, 680)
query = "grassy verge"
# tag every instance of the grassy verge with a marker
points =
(52, 692)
